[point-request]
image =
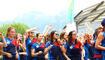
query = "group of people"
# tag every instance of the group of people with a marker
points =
(53, 46)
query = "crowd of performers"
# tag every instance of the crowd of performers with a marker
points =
(53, 46)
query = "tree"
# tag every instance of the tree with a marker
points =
(20, 27)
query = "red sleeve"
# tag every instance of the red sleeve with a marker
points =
(85, 42)
(34, 40)
(42, 45)
(78, 45)
(1, 48)
(15, 42)
(56, 44)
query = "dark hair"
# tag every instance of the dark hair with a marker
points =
(62, 35)
(96, 32)
(64, 27)
(51, 37)
(29, 33)
(70, 38)
(47, 37)
(8, 30)
(16, 37)
(37, 34)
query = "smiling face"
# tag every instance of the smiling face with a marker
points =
(31, 34)
(19, 36)
(56, 35)
(40, 36)
(74, 35)
(11, 33)
(66, 36)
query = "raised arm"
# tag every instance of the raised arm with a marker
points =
(89, 39)
(49, 28)
(4, 42)
(25, 37)
(60, 31)
(1, 45)
(33, 29)
(45, 29)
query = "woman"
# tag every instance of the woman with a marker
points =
(87, 47)
(20, 47)
(37, 50)
(100, 42)
(53, 47)
(29, 40)
(93, 52)
(11, 45)
(64, 37)
(97, 52)
(47, 38)
(73, 47)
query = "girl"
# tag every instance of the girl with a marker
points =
(21, 49)
(73, 47)
(93, 52)
(47, 38)
(37, 50)
(11, 46)
(28, 41)
(53, 47)
(97, 52)
(86, 47)
(64, 37)
(100, 42)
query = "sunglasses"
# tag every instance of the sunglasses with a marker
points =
(57, 34)
(32, 32)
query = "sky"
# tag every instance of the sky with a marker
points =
(40, 12)
(83, 4)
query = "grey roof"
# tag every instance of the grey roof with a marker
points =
(95, 13)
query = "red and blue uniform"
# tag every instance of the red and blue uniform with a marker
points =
(103, 44)
(55, 52)
(86, 48)
(11, 44)
(21, 57)
(97, 52)
(29, 43)
(74, 51)
(38, 47)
